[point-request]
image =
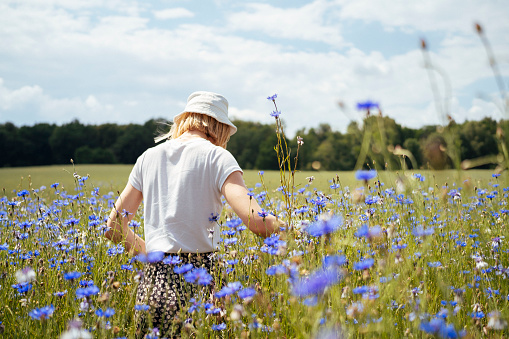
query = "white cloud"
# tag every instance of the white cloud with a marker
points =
(173, 13)
(44, 107)
(308, 22)
(432, 15)
(118, 68)
(13, 98)
(481, 108)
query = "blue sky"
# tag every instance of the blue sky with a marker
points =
(126, 61)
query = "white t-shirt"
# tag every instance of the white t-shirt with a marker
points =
(181, 183)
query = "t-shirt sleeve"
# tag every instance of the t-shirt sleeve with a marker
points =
(136, 178)
(226, 165)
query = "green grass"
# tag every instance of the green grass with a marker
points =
(412, 278)
(114, 177)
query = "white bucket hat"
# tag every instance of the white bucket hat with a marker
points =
(211, 104)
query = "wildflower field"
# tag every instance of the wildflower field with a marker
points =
(374, 259)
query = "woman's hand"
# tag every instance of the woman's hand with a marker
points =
(235, 191)
(118, 222)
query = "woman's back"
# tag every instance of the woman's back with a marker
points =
(181, 182)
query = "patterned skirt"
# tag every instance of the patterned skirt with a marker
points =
(166, 292)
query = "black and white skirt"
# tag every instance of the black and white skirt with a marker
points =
(166, 292)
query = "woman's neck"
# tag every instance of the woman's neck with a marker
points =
(193, 134)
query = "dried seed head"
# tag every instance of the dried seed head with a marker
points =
(478, 28)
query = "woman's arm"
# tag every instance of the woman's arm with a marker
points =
(235, 191)
(124, 210)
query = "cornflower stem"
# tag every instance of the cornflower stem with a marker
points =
(383, 143)
(494, 67)
(364, 148)
(265, 189)
(284, 163)
(440, 106)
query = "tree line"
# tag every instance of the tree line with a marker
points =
(378, 142)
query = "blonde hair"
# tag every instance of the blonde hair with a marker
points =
(217, 132)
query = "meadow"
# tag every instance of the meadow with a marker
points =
(366, 254)
(114, 177)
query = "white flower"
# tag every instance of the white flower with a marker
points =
(237, 312)
(25, 275)
(84, 305)
(495, 322)
(76, 333)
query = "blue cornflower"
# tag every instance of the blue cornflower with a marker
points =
(273, 240)
(172, 260)
(86, 283)
(212, 310)
(316, 283)
(199, 276)
(87, 291)
(229, 289)
(368, 232)
(434, 264)
(437, 326)
(455, 194)
(324, 226)
(334, 260)
(183, 269)
(229, 232)
(118, 249)
(220, 327)
(213, 217)
(126, 267)
(23, 287)
(230, 241)
(361, 290)
(272, 98)
(233, 223)
(247, 292)
(60, 294)
(276, 270)
(23, 193)
(365, 175)
(304, 209)
(195, 305)
(370, 200)
(42, 313)
(275, 114)
(419, 177)
(311, 301)
(151, 257)
(367, 105)
(55, 185)
(419, 231)
(363, 264)
(108, 313)
(263, 213)
(141, 307)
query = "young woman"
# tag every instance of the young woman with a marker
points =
(181, 182)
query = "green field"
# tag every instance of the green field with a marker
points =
(405, 258)
(114, 177)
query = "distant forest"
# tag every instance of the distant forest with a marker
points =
(253, 144)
